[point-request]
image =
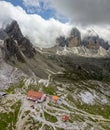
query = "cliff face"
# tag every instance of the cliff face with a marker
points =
(18, 51)
(61, 41)
(74, 40)
(81, 83)
(15, 44)
(95, 42)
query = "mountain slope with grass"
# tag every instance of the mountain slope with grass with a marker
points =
(81, 84)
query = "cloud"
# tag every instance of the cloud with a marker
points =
(41, 32)
(33, 6)
(85, 12)
(29, 3)
(82, 12)
(102, 31)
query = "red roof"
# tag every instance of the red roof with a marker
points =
(34, 95)
(65, 118)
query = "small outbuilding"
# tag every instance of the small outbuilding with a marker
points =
(55, 98)
(65, 118)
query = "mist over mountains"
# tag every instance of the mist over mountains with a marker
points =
(91, 41)
(90, 44)
(19, 51)
(41, 32)
(54, 65)
(80, 81)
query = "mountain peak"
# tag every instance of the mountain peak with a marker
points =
(16, 46)
(13, 30)
(91, 41)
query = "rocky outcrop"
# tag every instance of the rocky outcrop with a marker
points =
(74, 39)
(89, 42)
(3, 34)
(19, 52)
(16, 46)
(94, 42)
(61, 41)
(14, 31)
(11, 51)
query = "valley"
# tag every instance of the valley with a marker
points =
(80, 85)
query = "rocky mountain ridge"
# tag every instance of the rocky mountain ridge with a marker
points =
(18, 51)
(81, 83)
(14, 42)
(93, 42)
(83, 51)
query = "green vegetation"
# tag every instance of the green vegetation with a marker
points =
(49, 90)
(69, 97)
(59, 128)
(20, 84)
(27, 112)
(8, 120)
(12, 87)
(76, 117)
(38, 125)
(105, 126)
(79, 77)
(48, 127)
(102, 110)
(82, 68)
(33, 87)
(50, 118)
(52, 111)
(33, 124)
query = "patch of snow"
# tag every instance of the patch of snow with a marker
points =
(104, 101)
(102, 52)
(60, 89)
(87, 97)
(8, 75)
(83, 51)
(44, 82)
(2, 93)
(29, 81)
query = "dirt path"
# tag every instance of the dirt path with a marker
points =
(44, 107)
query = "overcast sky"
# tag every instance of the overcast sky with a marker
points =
(44, 20)
(85, 12)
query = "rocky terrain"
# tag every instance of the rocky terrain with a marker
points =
(82, 82)
(90, 45)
